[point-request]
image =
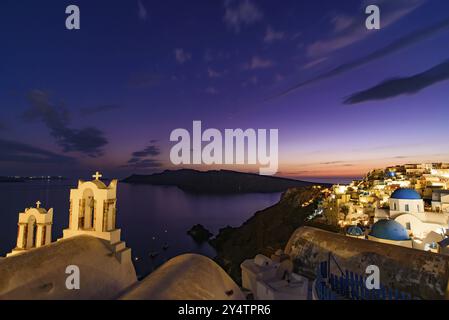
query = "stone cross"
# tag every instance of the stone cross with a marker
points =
(38, 204)
(97, 175)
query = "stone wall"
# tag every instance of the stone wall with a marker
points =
(425, 275)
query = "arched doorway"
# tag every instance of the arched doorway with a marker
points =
(87, 211)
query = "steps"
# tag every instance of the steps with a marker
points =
(121, 252)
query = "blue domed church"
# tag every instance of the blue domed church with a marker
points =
(405, 201)
(408, 224)
(390, 231)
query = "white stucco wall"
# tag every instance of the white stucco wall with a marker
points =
(186, 277)
(399, 206)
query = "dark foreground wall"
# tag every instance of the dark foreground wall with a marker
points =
(421, 273)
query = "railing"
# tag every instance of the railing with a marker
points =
(351, 286)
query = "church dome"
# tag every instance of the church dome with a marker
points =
(408, 194)
(355, 231)
(389, 230)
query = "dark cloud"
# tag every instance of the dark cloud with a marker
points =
(98, 109)
(393, 47)
(142, 159)
(13, 151)
(151, 150)
(144, 164)
(89, 140)
(133, 160)
(338, 163)
(332, 162)
(399, 86)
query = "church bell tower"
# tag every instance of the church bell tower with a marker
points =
(34, 229)
(93, 210)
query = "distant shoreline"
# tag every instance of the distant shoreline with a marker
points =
(219, 181)
(24, 179)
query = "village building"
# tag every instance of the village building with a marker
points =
(408, 223)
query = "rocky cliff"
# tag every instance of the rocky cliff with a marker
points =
(265, 232)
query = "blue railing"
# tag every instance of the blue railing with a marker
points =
(352, 286)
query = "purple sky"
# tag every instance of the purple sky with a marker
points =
(72, 102)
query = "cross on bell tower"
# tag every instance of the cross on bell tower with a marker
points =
(97, 175)
(38, 204)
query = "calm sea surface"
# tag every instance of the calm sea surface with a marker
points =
(150, 217)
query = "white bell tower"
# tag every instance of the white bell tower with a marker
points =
(93, 212)
(34, 229)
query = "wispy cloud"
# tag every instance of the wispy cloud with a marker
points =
(395, 46)
(315, 62)
(213, 73)
(89, 140)
(239, 13)
(142, 11)
(211, 90)
(408, 85)
(212, 55)
(182, 56)
(253, 80)
(258, 63)
(342, 22)
(272, 35)
(333, 162)
(348, 31)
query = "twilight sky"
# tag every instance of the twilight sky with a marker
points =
(345, 99)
